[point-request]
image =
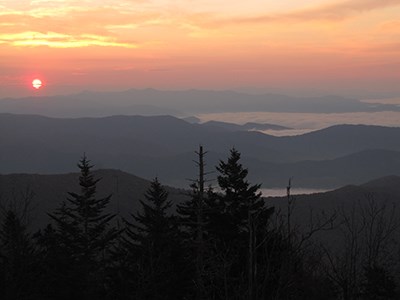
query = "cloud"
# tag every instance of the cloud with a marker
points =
(60, 40)
(121, 24)
(329, 12)
(68, 28)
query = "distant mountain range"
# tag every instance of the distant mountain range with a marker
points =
(164, 146)
(180, 103)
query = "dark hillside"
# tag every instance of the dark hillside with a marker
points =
(384, 191)
(49, 190)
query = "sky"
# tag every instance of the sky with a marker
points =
(347, 47)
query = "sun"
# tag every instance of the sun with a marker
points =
(37, 83)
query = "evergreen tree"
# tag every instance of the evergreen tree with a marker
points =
(17, 259)
(152, 241)
(153, 224)
(239, 197)
(238, 204)
(84, 234)
(238, 219)
(55, 264)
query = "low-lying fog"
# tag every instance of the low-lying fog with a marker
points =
(281, 192)
(306, 122)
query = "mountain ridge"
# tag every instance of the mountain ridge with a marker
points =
(138, 143)
(181, 103)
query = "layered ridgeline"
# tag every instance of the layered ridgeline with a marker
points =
(181, 103)
(163, 146)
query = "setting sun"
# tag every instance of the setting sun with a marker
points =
(307, 46)
(37, 83)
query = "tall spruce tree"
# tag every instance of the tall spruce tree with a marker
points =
(239, 200)
(154, 246)
(238, 219)
(84, 234)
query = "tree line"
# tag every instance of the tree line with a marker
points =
(223, 242)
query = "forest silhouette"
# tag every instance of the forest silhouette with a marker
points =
(223, 242)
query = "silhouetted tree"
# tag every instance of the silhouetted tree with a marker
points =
(290, 265)
(55, 265)
(153, 244)
(238, 218)
(17, 259)
(84, 234)
(365, 245)
(192, 218)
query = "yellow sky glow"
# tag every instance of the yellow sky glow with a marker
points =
(203, 43)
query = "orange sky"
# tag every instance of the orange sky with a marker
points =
(329, 46)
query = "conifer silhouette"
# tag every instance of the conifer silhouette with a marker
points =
(17, 259)
(153, 238)
(84, 232)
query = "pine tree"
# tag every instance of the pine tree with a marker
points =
(152, 241)
(17, 259)
(55, 264)
(239, 219)
(84, 232)
(153, 225)
(239, 199)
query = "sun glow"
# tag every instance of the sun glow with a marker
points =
(37, 83)
(336, 45)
